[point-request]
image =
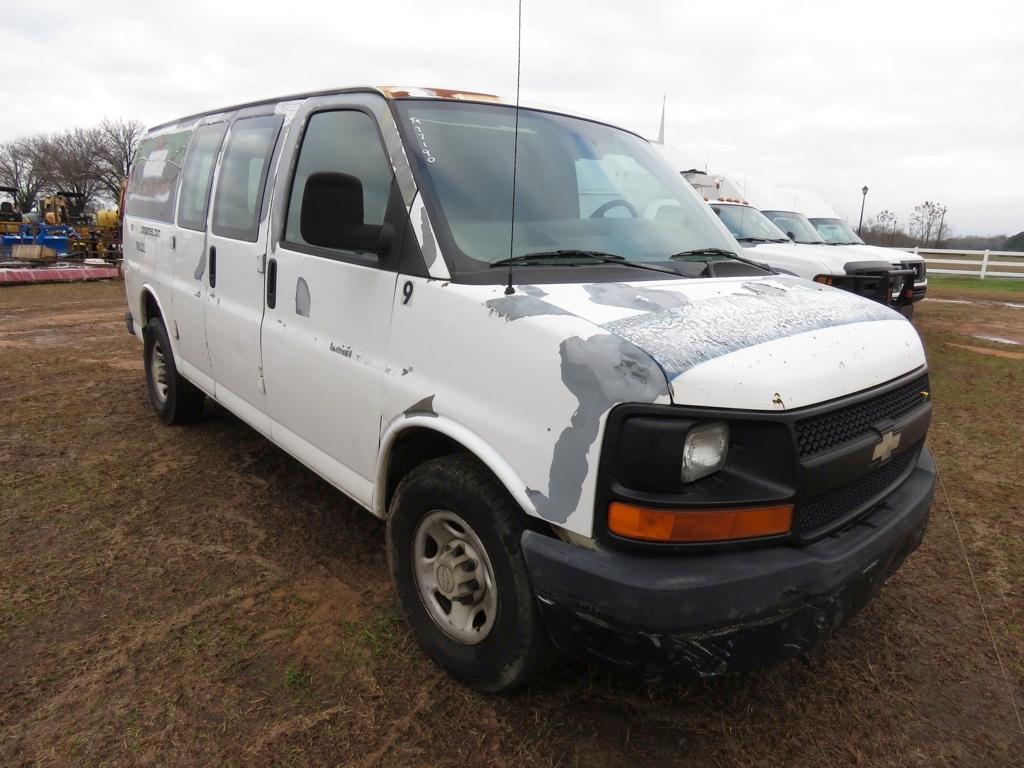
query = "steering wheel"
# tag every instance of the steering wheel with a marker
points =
(620, 203)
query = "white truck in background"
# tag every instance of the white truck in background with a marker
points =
(790, 215)
(834, 230)
(795, 248)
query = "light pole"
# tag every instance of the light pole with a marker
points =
(863, 199)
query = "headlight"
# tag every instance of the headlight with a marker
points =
(705, 450)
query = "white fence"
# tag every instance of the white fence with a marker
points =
(984, 263)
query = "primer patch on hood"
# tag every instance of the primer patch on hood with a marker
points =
(634, 297)
(682, 337)
(518, 306)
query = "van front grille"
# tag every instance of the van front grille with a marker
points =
(825, 431)
(819, 514)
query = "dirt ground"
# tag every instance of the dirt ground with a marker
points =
(193, 596)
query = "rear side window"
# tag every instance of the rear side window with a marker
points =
(154, 177)
(197, 176)
(342, 142)
(243, 175)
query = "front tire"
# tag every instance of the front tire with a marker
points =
(453, 538)
(175, 400)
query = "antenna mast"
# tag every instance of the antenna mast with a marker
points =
(661, 128)
(515, 151)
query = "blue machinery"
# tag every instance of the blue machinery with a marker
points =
(56, 237)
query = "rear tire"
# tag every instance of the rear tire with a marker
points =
(489, 635)
(175, 400)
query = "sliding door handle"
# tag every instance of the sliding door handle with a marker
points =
(213, 266)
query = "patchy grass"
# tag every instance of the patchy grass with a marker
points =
(297, 678)
(956, 287)
(193, 596)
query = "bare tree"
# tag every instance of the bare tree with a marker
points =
(70, 161)
(121, 139)
(927, 222)
(886, 222)
(19, 169)
(941, 228)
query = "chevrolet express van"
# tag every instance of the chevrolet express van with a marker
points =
(592, 425)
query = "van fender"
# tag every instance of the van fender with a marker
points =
(470, 440)
(141, 307)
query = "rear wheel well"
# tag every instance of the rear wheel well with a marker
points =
(150, 308)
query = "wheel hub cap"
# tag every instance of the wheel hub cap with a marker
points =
(158, 370)
(454, 577)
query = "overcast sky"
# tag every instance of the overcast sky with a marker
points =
(917, 100)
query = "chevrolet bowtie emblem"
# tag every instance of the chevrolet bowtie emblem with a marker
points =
(925, 394)
(889, 443)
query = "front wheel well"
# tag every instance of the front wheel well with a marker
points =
(417, 445)
(413, 447)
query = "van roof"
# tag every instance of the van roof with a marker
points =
(387, 91)
(811, 204)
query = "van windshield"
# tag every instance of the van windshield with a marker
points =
(836, 232)
(580, 186)
(796, 225)
(748, 224)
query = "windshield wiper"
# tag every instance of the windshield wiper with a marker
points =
(763, 239)
(599, 256)
(693, 254)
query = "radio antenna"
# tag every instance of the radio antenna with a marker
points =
(509, 290)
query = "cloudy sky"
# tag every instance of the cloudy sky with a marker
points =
(917, 100)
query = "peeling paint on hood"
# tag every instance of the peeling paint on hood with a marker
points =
(682, 337)
(721, 342)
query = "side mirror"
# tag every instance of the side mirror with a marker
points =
(332, 216)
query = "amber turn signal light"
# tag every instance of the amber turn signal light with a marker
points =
(823, 279)
(698, 525)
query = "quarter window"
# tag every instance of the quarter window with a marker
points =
(197, 176)
(341, 142)
(243, 175)
(154, 177)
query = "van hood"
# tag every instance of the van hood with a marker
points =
(806, 261)
(876, 252)
(772, 343)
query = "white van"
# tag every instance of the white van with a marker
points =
(591, 426)
(835, 231)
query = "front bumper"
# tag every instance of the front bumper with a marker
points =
(672, 616)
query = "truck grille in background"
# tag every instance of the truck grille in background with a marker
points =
(834, 428)
(920, 270)
(869, 284)
(819, 514)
